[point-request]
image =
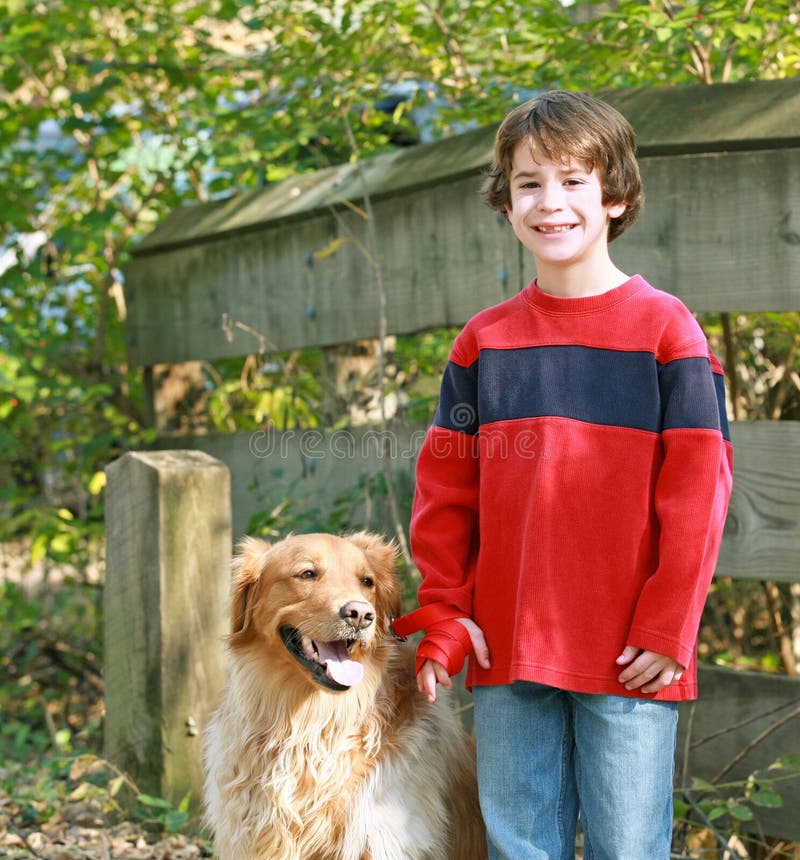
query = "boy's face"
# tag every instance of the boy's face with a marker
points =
(557, 210)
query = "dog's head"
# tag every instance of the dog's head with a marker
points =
(321, 602)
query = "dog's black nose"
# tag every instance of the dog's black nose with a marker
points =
(358, 614)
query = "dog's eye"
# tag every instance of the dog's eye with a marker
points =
(308, 574)
(368, 581)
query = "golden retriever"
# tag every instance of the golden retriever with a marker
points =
(322, 747)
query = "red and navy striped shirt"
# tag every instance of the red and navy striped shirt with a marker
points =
(572, 491)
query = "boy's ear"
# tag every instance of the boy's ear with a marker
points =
(616, 209)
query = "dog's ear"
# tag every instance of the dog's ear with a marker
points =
(382, 557)
(247, 566)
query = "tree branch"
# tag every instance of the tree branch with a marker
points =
(730, 362)
(382, 333)
(754, 743)
(742, 723)
(709, 824)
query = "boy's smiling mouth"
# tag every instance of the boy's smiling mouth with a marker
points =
(553, 228)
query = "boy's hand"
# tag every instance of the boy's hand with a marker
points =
(647, 670)
(433, 673)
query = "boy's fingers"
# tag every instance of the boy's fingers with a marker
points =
(645, 677)
(426, 681)
(442, 677)
(629, 653)
(479, 646)
(431, 674)
(643, 669)
(631, 672)
(652, 672)
(667, 677)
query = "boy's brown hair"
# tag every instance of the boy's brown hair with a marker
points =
(564, 125)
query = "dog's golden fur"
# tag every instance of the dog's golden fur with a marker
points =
(314, 759)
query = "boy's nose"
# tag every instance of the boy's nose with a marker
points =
(551, 197)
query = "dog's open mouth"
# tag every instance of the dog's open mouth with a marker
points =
(330, 663)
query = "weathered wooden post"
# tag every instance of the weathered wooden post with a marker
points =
(168, 525)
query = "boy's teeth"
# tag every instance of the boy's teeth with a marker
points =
(561, 228)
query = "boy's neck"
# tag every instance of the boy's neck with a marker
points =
(577, 282)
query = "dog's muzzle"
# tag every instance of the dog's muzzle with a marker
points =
(329, 663)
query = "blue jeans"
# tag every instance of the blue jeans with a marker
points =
(545, 755)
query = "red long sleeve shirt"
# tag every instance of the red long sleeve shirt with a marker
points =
(572, 491)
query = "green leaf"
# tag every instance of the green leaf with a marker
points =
(61, 544)
(175, 820)
(81, 791)
(771, 661)
(155, 802)
(115, 785)
(745, 30)
(39, 548)
(765, 797)
(681, 808)
(97, 482)
(741, 813)
(699, 784)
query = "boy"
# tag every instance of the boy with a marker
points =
(570, 501)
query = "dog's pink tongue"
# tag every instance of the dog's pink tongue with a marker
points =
(339, 666)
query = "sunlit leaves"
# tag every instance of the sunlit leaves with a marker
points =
(111, 115)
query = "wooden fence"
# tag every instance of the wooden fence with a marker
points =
(721, 229)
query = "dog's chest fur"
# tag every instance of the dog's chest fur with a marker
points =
(316, 778)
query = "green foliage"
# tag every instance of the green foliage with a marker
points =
(161, 813)
(633, 43)
(51, 700)
(64, 419)
(36, 793)
(733, 807)
(423, 358)
(283, 389)
(50, 667)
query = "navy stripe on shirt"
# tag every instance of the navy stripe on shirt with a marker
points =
(691, 395)
(599, 386)
(457, 408)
